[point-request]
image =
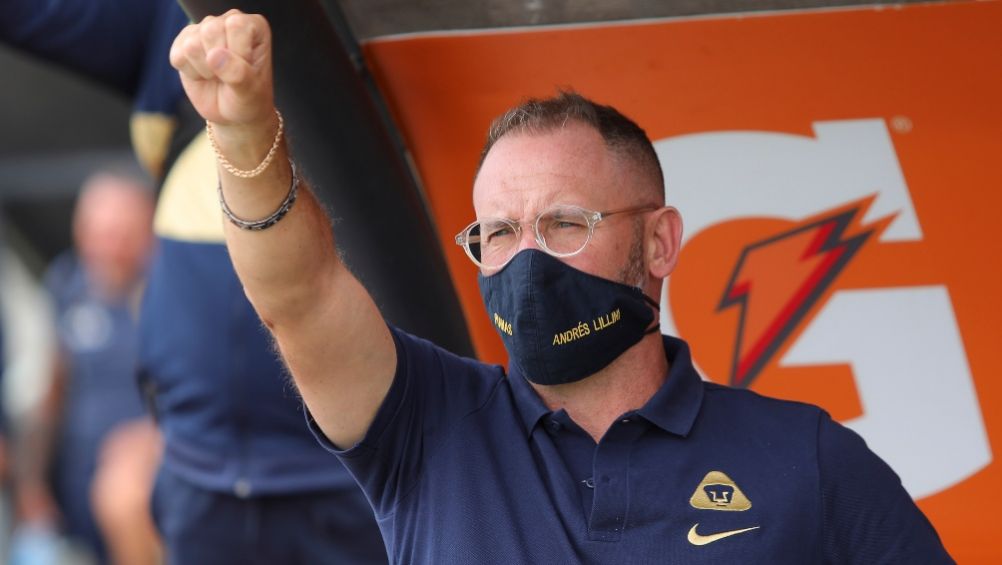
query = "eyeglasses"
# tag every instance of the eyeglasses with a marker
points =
(561, 231)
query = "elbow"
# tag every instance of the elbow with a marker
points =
(290, 306)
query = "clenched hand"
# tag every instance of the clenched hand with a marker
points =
(225, 67)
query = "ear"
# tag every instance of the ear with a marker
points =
(663, 242)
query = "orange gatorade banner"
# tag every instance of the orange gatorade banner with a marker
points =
(838, 174)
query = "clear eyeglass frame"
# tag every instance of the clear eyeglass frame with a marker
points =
(467, 237)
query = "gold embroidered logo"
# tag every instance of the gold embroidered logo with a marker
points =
(502, 324)
(718, 492)
(697, 539)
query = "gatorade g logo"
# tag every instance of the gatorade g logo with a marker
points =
(792, 283)
(773, 301)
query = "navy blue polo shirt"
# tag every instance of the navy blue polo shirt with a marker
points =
(464, 464)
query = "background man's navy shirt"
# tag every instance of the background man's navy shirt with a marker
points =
(465, 465)
(98, 343)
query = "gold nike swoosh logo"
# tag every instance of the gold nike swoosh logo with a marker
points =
(696, 539)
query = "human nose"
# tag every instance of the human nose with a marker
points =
(528, 239)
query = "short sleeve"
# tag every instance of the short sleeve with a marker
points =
(432, 391)
(868, 516)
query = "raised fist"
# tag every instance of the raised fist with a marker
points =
(225, 66)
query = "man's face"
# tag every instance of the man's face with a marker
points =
(524, 174)
(113, 230)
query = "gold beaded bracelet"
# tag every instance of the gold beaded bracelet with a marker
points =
(229, 168)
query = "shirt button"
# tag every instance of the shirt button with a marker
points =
(625, 421)
(554, 425)
(589, 482)
(242, 488)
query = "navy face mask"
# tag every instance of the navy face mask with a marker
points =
(560, 324)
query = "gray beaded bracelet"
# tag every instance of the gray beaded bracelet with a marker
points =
(263, 223)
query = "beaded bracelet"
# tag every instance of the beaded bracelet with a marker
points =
(273, 218)
(249, 174)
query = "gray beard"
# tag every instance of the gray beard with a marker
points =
(633, 272)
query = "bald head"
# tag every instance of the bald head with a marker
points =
(112, 228)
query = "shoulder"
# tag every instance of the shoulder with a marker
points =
(796, 429)
(421, 358)
(835, 446)
(744, 407)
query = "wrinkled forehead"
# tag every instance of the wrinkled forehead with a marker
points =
(526, 172)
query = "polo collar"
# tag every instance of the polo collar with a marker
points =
(530, 406)
(673, 407)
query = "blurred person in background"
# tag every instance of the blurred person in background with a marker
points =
(87, 453)
(242, 480)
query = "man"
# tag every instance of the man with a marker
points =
(242, 481)
(92, 394)
(601, 445)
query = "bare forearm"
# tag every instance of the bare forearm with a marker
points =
(282, 268)
(330, 332)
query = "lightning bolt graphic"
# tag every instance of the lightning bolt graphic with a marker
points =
(776, 281)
